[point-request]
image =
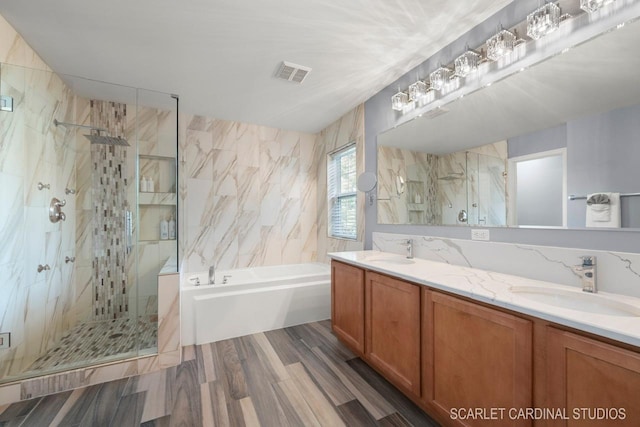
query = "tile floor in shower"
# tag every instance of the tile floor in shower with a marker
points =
(100, 341)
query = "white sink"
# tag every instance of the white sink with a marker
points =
(392, 260)
(577, 300)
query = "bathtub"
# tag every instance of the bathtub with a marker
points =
(253, 300)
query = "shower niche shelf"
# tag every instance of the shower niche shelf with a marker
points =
(160, 204)
(157, 199)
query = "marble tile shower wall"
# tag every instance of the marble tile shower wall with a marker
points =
(249, 193)
(349, 128)
(35, 307)
(618, 272)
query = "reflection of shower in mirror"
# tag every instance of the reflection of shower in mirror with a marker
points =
(452, 176)
(399, 184)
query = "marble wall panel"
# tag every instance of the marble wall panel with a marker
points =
(249, 195)
(618, 272)
(15, 50)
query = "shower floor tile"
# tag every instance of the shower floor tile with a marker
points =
(101, 341)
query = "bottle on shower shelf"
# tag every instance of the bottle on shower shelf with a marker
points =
(151, 186)
(172, 228)
(164, 229)
(143, 184)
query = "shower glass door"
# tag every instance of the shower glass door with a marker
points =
(72, 294)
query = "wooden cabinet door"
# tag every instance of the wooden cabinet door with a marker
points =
(475, 357)
(585, 373)
(347, 305)
(393, 330)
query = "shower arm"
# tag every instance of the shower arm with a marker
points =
(57, 123)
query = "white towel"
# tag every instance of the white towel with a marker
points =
(604, 215)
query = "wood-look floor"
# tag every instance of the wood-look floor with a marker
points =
(298, 376)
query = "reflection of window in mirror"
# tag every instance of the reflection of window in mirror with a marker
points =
(538, 189)
(341, 192)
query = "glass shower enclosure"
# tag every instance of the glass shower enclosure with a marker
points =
(83, 241)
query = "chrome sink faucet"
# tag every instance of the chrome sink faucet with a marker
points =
(410, 248)
(587, 273)
(212, 275)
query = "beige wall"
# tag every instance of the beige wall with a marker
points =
(349, 128)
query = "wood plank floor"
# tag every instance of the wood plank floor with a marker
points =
(297, 376)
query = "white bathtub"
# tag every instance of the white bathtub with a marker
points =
(253, 300)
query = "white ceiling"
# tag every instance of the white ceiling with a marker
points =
(220, 55)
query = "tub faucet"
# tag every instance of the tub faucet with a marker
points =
(410, 248)
(212, 275)
(587, 272)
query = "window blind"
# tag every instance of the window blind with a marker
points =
(341, 192)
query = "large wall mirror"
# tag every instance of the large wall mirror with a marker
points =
(528, 150)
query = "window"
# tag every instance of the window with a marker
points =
(341, 191)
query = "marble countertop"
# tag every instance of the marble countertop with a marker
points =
(498, 289)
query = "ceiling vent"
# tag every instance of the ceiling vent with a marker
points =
(292, 72)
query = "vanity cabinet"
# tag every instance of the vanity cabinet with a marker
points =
(392, 332)
(347, 305)
(451, 355)
(586, 373)
(474, 357)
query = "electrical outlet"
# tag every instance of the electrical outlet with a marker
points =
(477, 234)
(5, 340)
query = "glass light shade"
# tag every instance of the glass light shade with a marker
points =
(500, 45)
(399, 101)
(467, 63)
(593, 5)
(543, 21)
(417, 90)
(439, 78)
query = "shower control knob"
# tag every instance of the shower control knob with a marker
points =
(42, 268)
(55, 211)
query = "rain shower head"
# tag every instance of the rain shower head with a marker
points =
(107, 140)
(96, 138)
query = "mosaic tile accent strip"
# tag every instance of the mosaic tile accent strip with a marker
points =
(110, 207)
(99, 340)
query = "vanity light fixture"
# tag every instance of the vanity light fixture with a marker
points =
(439, 78)
(418, 90)
(466, 63)
(593, 5)
(500, 45)
(543, 21)
(399, 101)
